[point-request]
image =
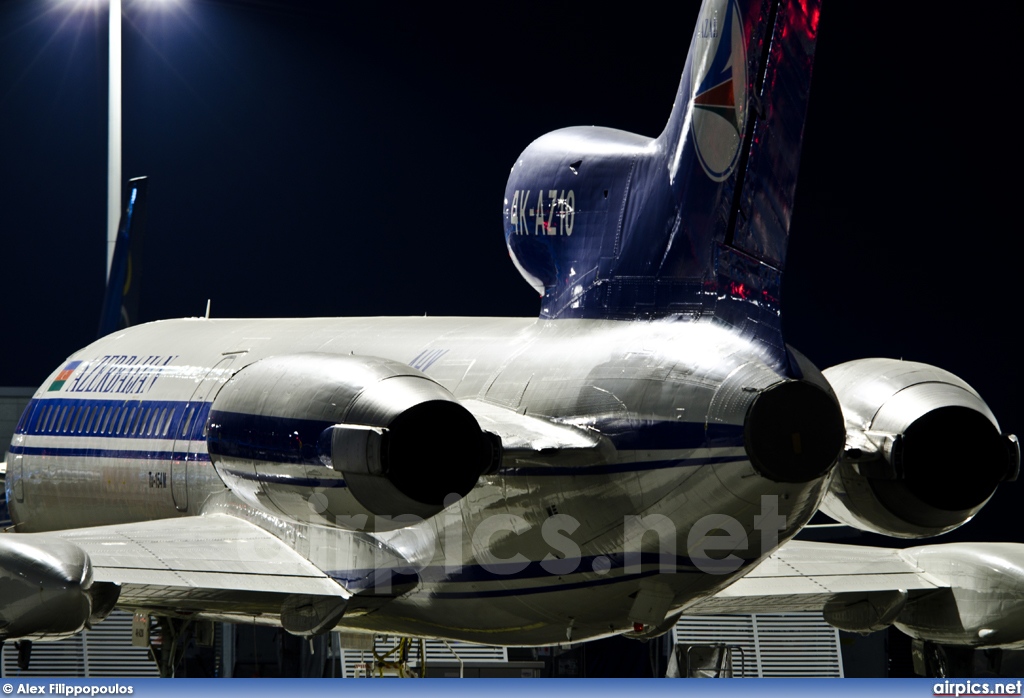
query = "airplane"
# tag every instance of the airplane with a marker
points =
(648, 446)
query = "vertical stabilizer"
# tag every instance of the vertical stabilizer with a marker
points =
(121, 300)
(696, 221)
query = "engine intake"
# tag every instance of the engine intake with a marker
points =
(345, 440)
(923, 451)
(793, 431)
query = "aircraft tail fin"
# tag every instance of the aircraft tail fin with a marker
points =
(607, 224)
(121, 300)
(739, 149)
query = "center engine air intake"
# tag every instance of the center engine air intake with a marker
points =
(352, 441)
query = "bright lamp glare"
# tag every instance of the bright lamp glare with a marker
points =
(80, 5)
(95, 5)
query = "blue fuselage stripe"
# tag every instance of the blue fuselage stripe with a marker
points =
(189, 453)
(114, 419)
(240, 436)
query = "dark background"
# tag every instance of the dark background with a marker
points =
(311, 159)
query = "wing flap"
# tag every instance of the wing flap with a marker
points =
(216, 552)
(804, 576)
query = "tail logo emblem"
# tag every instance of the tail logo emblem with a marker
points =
(719, 89)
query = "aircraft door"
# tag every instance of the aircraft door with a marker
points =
(190, 430)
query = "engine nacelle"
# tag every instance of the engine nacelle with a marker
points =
(350, 441)
(46, 589)
(923, 451)
(983, 605)
(979, 601)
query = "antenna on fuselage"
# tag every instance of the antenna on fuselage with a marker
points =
(207, 316)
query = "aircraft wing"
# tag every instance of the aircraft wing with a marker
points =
(805, 576)
(955, 593)
(198, 552)
(215, 563)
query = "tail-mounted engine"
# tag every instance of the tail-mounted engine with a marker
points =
(345, 440)
(923, 451)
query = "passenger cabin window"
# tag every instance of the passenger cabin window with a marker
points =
(188, 421)
(160, 422)
(112, 418)
(93, 419)
(139, 427)
(76, 416)
(83, 414)
(126, 416)
(40, 417)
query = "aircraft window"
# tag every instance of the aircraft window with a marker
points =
(40, 411)
(62, 419)
(112, 421)
(94, 428)
(170, 420)
(82, 419)
(93, 419)
(160, 421)
(133, 420)
(137, 420)
(120, 423)
(149, 421)
(90, 411)
(44, 418)
(52, 421)
(76, 420)
(188, 421)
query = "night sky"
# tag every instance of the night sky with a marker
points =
(312, 159)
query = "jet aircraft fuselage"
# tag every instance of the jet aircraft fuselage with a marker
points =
(658, 412)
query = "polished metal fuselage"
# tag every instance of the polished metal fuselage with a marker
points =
(547, 549)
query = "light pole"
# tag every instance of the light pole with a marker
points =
(113, 130)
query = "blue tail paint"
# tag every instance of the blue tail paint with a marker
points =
(695, 222)
(121, 300)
